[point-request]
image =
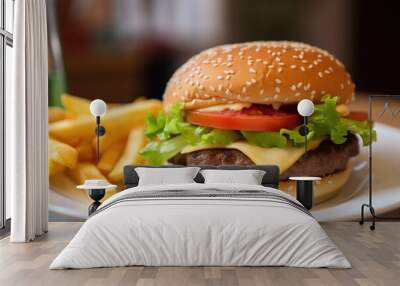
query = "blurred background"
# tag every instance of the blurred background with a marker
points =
(121, 50)
(118, 50)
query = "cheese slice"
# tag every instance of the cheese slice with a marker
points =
(282, 157)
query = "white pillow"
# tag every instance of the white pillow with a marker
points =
(248, 177)
(164, 176)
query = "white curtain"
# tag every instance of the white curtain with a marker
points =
(26, 119)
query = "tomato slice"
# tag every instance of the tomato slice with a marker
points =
(254, 118)
(358, 115)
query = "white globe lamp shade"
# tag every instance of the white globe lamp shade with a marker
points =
(305, 107)
(98, 107)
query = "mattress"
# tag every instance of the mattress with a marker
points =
(201, 225)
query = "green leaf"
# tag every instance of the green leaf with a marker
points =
(170, 133)
(295, 136)
(220, 137)
(157, 153)
(265, 139)
(326, 121)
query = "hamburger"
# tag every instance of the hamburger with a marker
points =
(236, 105)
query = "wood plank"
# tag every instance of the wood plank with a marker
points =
(375, 257)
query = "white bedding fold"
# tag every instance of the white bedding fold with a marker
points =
(225, 231)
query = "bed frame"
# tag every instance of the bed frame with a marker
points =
(271, 177)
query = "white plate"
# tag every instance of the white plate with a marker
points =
(345, 206)
(386, 180)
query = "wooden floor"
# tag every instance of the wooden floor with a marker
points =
(375, 257)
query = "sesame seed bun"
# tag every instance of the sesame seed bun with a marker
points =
(276, 73)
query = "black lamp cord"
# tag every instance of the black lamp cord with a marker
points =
(98, 138)
(305, 133)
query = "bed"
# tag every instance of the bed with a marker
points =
(198, 224)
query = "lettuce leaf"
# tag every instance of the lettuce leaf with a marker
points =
(265, 139)
(295, 137)
(327, 122)
(170, 133)
(220, 137)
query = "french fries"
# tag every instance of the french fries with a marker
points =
(136, 141)
(86, 152)
(85, 171)
(57, 114)
(55, 168)
(76, 105)
(62, 154)
(110, 157)
(119, 120)
(73, 145)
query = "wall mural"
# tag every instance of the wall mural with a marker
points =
(216, 111)
(233, 105)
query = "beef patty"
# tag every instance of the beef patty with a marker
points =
(326, 159)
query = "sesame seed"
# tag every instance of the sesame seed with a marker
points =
(293, 66)
(297, 94)
(280, 70)
(278, 59)
(261, 92)
(299, 84)
(302, 68)
(271, 66)
(244, 89)
(228, 77)
(278, 81)
(212, 88)
(320, 74)
(220, 87)
(310, 66)
(277, 89)
(220, 77)
(327, 72)
(293, 87)
(313, 92)
(341, 86)
(253, 80)
(307, 87)
(251, 70)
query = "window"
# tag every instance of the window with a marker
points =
(6, 62)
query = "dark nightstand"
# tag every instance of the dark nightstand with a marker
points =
(97, 190)
(304, 190)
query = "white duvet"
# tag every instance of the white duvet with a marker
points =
(200, 231)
